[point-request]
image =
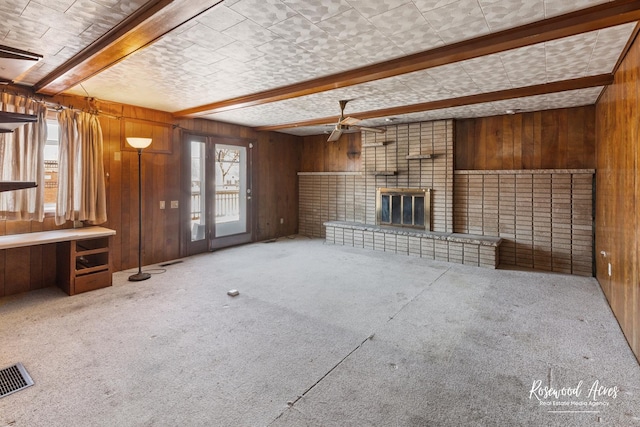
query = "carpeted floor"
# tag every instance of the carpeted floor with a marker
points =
(320, 335)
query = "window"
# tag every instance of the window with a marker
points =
(51, 166)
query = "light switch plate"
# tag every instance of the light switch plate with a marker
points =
(174, 204)
(162, 204)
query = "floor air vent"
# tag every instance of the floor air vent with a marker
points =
(14, 378)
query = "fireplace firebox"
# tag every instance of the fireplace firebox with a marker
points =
(404, 207)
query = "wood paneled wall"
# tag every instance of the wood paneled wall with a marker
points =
(552, 139)
(276, 163)
(618, 189)
(320, 155)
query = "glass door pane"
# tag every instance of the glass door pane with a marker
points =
(198, 191)
(231, 190)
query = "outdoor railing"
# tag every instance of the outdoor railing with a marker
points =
(227, 203)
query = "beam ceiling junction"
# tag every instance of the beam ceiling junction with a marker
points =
(153, 20)
(500, 95)
(594, 18)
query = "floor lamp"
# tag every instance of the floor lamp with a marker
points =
(139, 144)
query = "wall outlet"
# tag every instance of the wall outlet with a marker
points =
(609, 269)
(174, 204)
(281, 220)
(162, 204)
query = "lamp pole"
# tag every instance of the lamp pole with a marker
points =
(139, 144)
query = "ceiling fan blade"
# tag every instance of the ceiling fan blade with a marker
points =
(349, 121)
(335, 135)
(367, 129)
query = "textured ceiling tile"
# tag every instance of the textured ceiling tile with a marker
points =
(12, 9)
(127, 6)
(373, 46)
(426, 5)
(401, 19)
(206, 37)
(416, 41)
(559, 7)
(502, 14)
(316, 11)
(297, 29)
(453, 77)
(458, 21)
(487, 73)
(240, 52)
(202, 54)
(607, 49)
(525, 66)
(199, 68)
(369, 8)
(250, 33)
(282, 48)
(233, 66)
(89, 12)
(59, 5)
(56, 39)
(106, 3)
(263, 12)
(45, 15)
(347, 25)
(220, 18)
(328, 47)
(569, 57)
(573, 97)
(24, 31)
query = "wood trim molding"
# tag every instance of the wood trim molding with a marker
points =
(594, 18)
(559, 86)
(143, 27)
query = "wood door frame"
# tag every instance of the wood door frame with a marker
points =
(185, 217)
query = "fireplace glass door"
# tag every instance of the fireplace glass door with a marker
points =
(403, 207)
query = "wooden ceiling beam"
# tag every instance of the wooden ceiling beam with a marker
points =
(594, 18)
(153, 20)
(501, 95)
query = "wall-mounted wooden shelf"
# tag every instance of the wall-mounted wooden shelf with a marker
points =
(15, 185)
(384, 173)
(376, 144)
(418, 156)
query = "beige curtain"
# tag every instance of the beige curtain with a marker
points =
(81, 187)
(68, 170)
(22, 159)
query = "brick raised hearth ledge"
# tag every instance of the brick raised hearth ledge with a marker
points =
(468, 249)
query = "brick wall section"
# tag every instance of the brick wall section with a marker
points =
(351, 196)
(457, 248)
(434, 138)
(544, 217)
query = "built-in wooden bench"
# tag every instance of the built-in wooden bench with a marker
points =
(83, 258)
(468, 249)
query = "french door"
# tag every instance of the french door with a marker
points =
(220, 203)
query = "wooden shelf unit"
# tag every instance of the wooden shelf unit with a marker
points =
(84, 265)
(83, 259)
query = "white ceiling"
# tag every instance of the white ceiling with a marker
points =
(241, 47)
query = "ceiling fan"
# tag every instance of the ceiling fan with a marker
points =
(348, 124)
